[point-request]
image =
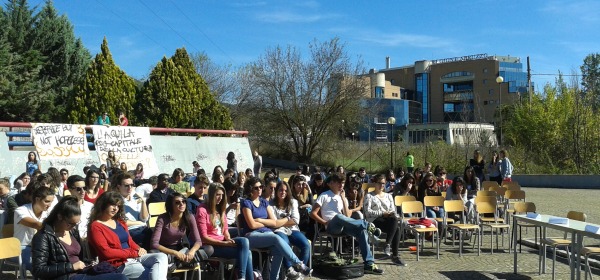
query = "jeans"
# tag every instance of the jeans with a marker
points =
(279, 249)
(299, 240)
(356, 228)
(107, 276)
(434, 214)
(151, 266)
(26, 257)
(241, 254)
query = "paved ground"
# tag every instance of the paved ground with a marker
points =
(500, 264)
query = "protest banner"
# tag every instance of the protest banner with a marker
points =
(59, 141)
(130, 144)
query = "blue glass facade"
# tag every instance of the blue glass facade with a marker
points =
(422, 93)
(403, 110)
(513, 74)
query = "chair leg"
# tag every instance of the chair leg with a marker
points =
(553, 262)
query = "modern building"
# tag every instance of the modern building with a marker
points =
(450, 90)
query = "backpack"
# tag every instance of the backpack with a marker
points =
(332, 267)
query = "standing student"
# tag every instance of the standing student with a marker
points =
(410, 162)
(506, 167)
(478, 165)
(493, 169)
(32, 163)
(257, 163)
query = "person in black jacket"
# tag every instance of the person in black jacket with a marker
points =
(56, 248)
(162, 190)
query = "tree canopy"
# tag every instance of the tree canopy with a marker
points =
(297, 104)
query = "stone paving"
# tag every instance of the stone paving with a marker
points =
(488, 266)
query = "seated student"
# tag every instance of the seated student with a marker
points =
(146, 187)
(331, 210)
(110, 241)
(406, 186)
(56, 248)
(355, 196)
(285, 206)
(457, 191)
(93, 187)
(381, 211)
(430, 188)
(363, 177)
(76, 185)
(162, 190)
(303, 196)
(233, 194)
(212, 224)
(7, 204)
(391, 181)
(268, 192)
(442, 182)
(177, 182)
(200, 189)
(136, 209)
(28, 219)
(317, 184)
(172, 229)
(256, 220)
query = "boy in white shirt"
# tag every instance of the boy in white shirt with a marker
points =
(331, 210)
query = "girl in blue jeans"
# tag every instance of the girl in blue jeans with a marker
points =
(257, 219)
(285, 206)
(212, 224)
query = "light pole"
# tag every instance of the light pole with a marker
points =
(500, 80)
(391, 121)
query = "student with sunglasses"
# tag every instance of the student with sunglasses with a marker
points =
(57, 250)
(76, 185)
(172, 231)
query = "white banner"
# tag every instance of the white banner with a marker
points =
(59, 141)
(130, 144)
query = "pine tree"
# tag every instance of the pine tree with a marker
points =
(105, 88)
(176, 96)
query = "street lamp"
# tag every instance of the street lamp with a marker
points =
(391, 121)
(500, 80)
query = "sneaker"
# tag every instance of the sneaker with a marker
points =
(398, 261)
(374, 230)
(292, 274)
(388, 250)
(302, 268)
(373, 269)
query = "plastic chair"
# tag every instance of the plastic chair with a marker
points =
(454, 206)
(155, 209)
(487, 193)
(511, 197)
(512, 186)
(192, 269)
(66, 192)
(554, 243)
(487, 185)
(320, 233)
(11, 248)
(522, 207)
(487, 205)
(416, 208)
(432, 201)
(8, 230)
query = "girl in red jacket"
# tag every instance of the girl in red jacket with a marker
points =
(110, 240)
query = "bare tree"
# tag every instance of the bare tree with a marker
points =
(298, 104)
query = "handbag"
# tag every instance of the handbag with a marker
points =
(99, 268)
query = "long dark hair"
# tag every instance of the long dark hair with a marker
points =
(470, 180)
(88, 175)
(403, 182)
(287, 200)
(104, 201)
(249, 184)
(34, 157)
(40, 193)
(67, 207)
(455, 183)
(169, 207)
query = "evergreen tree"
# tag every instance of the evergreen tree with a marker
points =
(105, 88)
(176, 96)
(590, 71)
(65, 58)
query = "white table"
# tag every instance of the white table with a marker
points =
(576, 228)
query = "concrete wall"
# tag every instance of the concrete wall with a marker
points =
(170, 152)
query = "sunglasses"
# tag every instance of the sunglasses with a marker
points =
(79, 189)
(256, 188)
(180, 202)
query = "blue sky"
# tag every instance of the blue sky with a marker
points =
(557, 35)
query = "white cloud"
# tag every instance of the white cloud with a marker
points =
(407, 40)
(579, 11)
(290, 17)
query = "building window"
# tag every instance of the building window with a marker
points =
(485, 70)
(491, 91)
(485, 81)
